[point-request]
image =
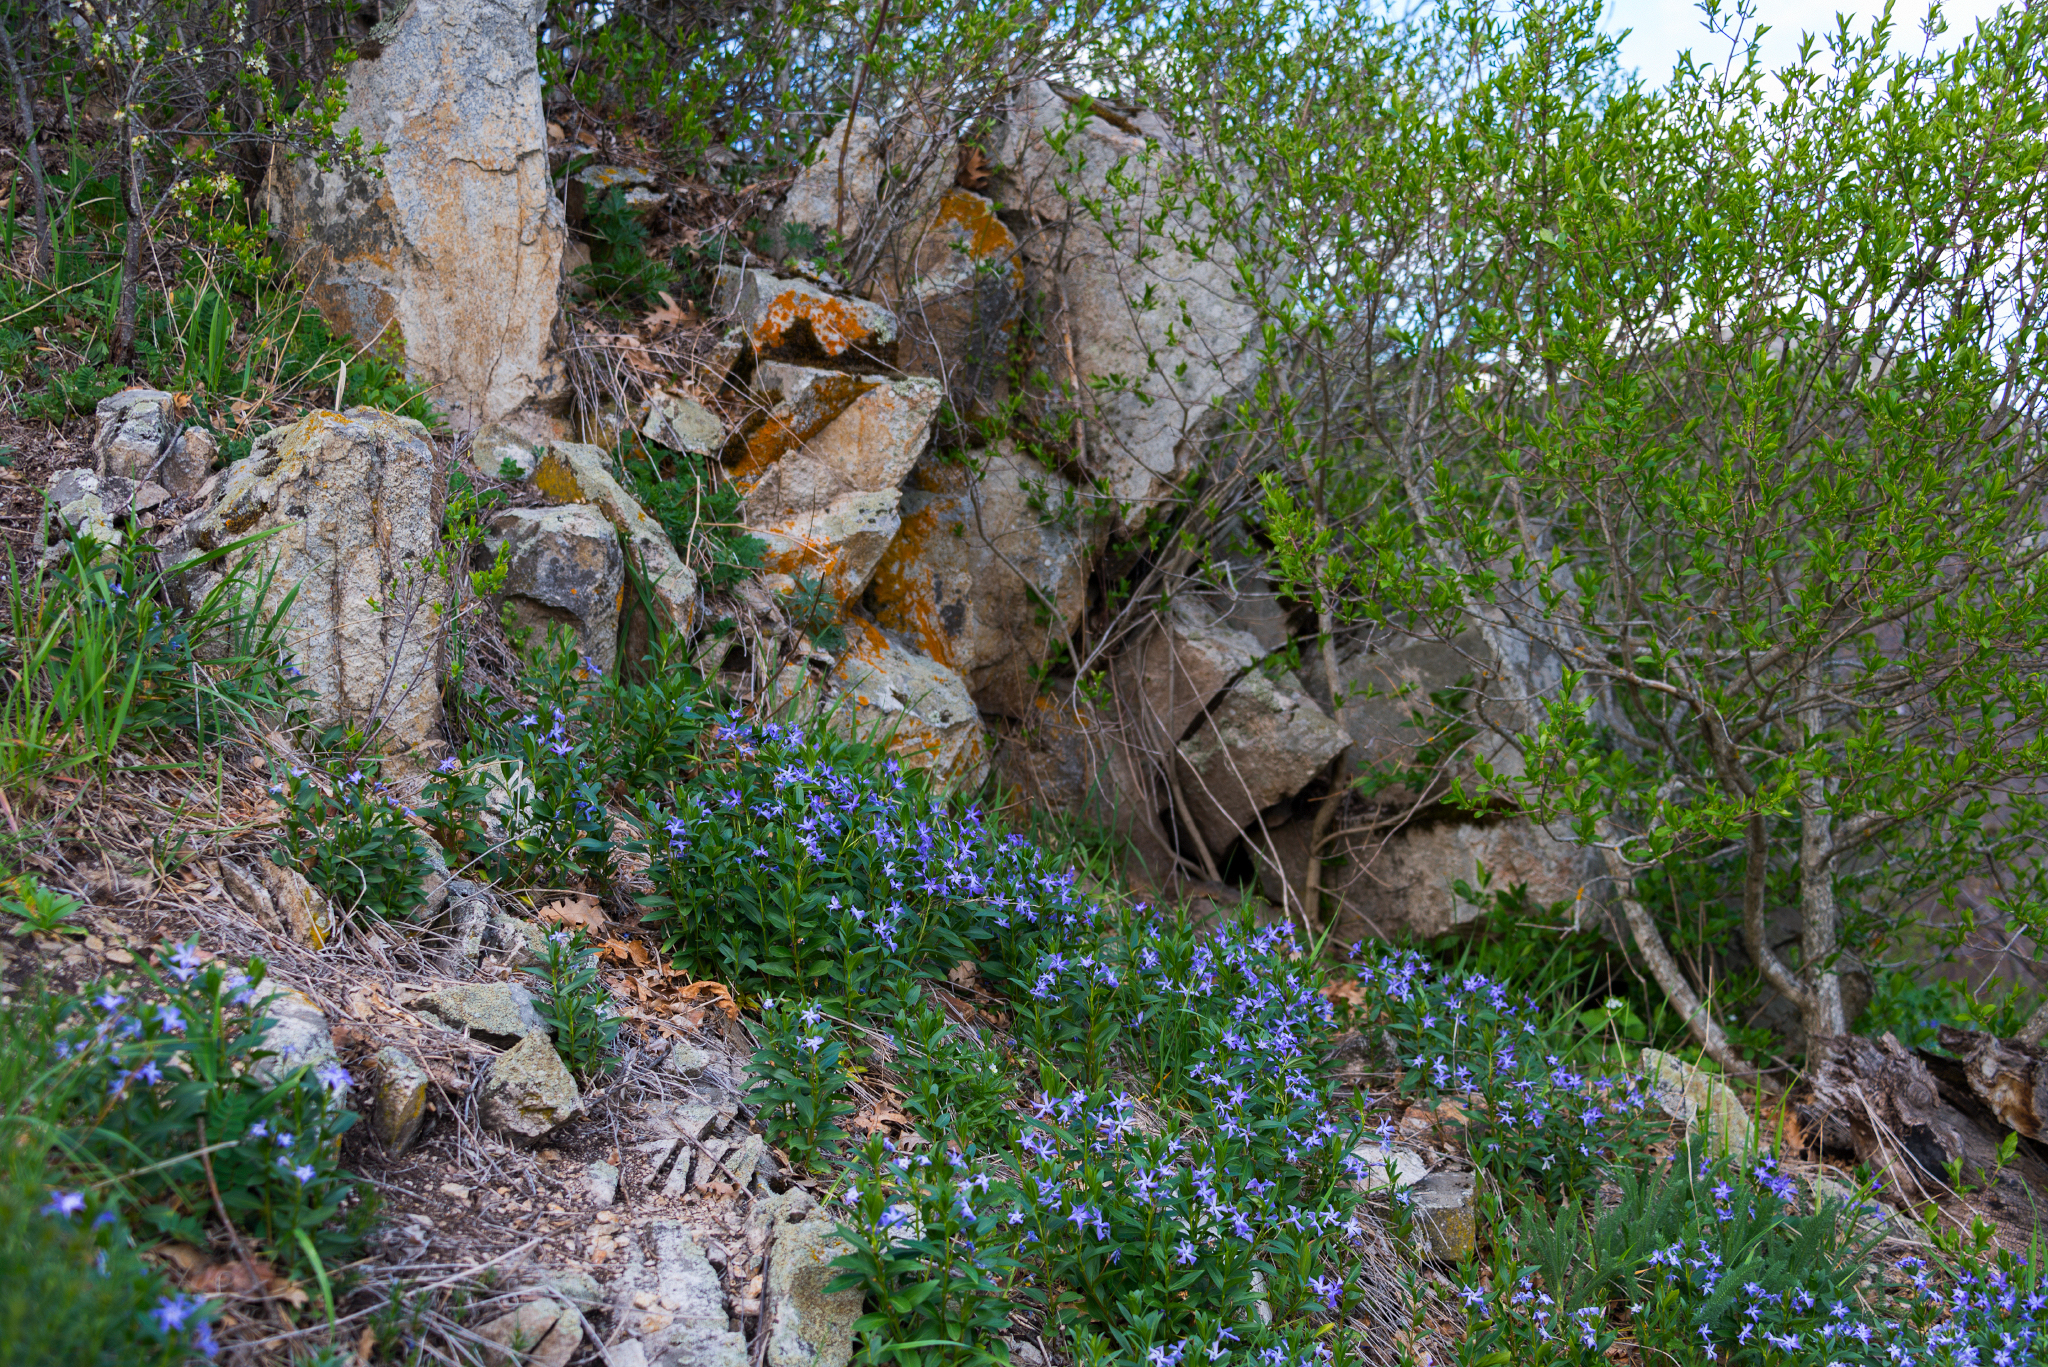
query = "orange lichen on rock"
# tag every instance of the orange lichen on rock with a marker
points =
(902, 592)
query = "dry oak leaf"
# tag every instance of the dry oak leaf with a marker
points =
(585, 911)
(670, 314)
(711, 994)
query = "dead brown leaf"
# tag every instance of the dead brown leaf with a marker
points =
(669, 315)
(709, 994)
(973, 170)
(964, 974)
(585, 911)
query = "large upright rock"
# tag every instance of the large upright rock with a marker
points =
(1262, 743)
(1158, 334)
(823, 474)
(455, 255)
(988, 573)
(353, 501)
(564, 568)
(956, 282)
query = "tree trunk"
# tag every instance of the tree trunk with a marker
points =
(1699, 1021)
(121, 354)
(32, 157)
(1822, 1012)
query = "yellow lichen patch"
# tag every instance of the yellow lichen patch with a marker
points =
(902, 588)
(556, 481)
(982, 233)
(834, 324)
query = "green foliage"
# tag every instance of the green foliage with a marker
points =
(163, 1086)
(348, 834)
(953, 1082)
(102, 661)
(76, 1291)
(621, 274)
(699, 511)
(586, 738)
(66, 394)
(917, 1241)
(796, 1078)
(813, 611)
(575, 1004)
(43, 911)
(1906, 1002)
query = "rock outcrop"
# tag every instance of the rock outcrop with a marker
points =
(795, 320)
(573, 472)
(452, 258)
(883, 690)
(1159, 337)
(823, 473)
(564, 568)
(1261, 743)
(988, 575)
(352, 502)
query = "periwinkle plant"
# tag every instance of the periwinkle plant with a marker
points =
(1539, 1121)
(1155, 1230)
(574, 1004)
(796, 1078)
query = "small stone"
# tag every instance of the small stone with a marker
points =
(694, 1120)
(563, 568)
(135, 425)
(1446, 1223)
(1408, 1167)
(743, 1161)
(574, 472)
(527, 1093)
(1702, 1101)
(191, 459)
(497, 444)
(537, 1334)
(808, 1326)
(454, 1191)
(298, 1037)
(693, 1331)
(247, 892)
(688, 1061)
(306, 913)
(401, 1105)
(603, 1180)
(499, 1014)
(796, 320)
(683, 424)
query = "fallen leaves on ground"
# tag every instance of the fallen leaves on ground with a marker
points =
(585, 911)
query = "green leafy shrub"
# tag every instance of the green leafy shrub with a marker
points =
(166, 1084)
(346, 832)
(575, 1004)
(700, 512)
(103, 661)
(796, 1078)
(620, 273)
(75, 1291)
